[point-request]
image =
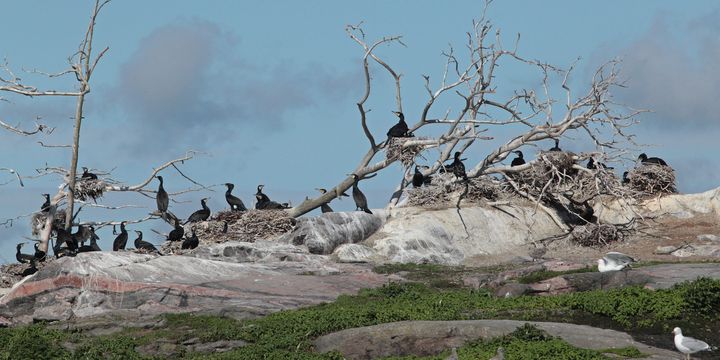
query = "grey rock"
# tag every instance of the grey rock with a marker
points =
(350, 253)
(217, 346)
(512, 290)
(698, 250)
(708, 237)
(426, 338)
(665, 250)
(324, 233)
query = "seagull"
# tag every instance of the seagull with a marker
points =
(499, 355)
(688, 345)
(614, 261)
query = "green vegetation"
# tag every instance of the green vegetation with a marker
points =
(544, 275)
(289, 334)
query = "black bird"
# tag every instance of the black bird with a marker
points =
(177, 233)
(592, 164)
(557, 146)
(458, 167)
(93, 243)
(519, 160)
(264, 202)
(39, 254)
(359, 197)
(625, 179)
(65, 237)
(46, 205)
(234, 202)
(191, 242)
(162, 198)
(325, 207)
(653, 160)
(400, 129)
(82, 235)
(88, 175)
(23, 258)
(200, 215)
(142, 244)
(121, 240)
(31, 270)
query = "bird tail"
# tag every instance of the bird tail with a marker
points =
(367, 210)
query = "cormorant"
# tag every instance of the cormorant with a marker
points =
(625, 179)
(46, 205)
(162, 198)
(519, 160)
(82, 235)
(592, 165)
(458, 167)
(177, 233)
(557, 146)
(419, 179)
(359, 197)
(653, 160)
(93, 243)
(39, 254)
(31, 270)
(65, 237)
(200, 215)
(141, 244)
(88, 175)
(325, 207)
(234, 202)
(264, 202)
(191, 242)
(121, 240)
(23, 258)
(400, 129)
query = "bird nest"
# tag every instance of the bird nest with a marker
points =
(89, 189)
(651, 180)
(600, 234)
(37, 221)
(405, 154)
(243, 226)
(444, 191)
(13, 272)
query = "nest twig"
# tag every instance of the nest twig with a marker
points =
(406, 155)
(649, 180)
(600, 234)
(37, 221)
(444, 190)
(89, 189)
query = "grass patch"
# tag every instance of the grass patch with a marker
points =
(289, 334)
(626, 352)
(544, 275)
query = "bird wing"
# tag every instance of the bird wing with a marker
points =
(619, 258)
(694, 344)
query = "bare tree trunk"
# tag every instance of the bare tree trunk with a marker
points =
(75, 154)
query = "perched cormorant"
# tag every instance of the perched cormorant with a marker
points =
(653, 160)
(419, 179)
(557, 146)
(400, 129)
(177, 233)
(191, 242)
(121, 240)
(39, 254)
(65, 237)
(625, 179)
(82, 235)
(31, 270)
(93, 242)
(519, 160)
(46, 205)
(458, 167)
(593, 165)
(359, 197)
(264, 202)
(162, 198)
(88, 175)
(23, 258)
(142, 244)
(325, 207)
(235, 203)
(200, 215)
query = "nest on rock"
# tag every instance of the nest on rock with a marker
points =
(89, 189)
(444, 190)
(652, 179)
(405, 154)
(13, 272)
(37, 221)
(243, 225)
(600, 234)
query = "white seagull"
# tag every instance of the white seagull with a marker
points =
(688, 345)
(614, 261)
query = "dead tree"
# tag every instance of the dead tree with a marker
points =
(472, 79)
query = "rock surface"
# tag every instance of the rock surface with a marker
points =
(425, 338)
(101, 283)
(324, 233)
(679, 205)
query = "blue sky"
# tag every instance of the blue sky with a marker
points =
(268, 89)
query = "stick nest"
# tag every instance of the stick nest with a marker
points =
(89, 189)
(600, 234)
(37, 221)
(12, 273)
(649, 180)
(406, 155)
(247, 226)
(444, 191)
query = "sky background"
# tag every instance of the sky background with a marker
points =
(267, 90)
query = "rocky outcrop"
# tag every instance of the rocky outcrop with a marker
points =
(98, 283)
(680, 206)
(324, 233)
(426, 338)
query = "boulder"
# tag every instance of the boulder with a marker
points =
(350, 253)
(324, 233)
(681, 206)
